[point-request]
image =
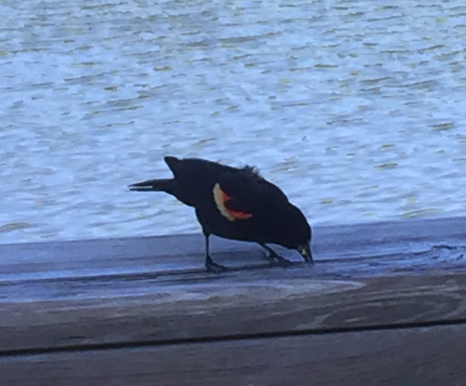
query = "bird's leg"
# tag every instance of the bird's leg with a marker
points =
(210, 265)
(275, 256)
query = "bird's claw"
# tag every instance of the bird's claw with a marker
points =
(279, 260)
(213, 267)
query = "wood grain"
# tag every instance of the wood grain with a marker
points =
(419, 356)
(228, 308)
(416, 241)
(114, 292)
(144, 311)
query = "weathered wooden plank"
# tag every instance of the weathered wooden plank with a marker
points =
(155, 289)
(420, 356)
(413, 240)
(242, 304)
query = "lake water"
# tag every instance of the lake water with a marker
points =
(356, 109)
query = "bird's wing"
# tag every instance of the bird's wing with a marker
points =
(242, 198)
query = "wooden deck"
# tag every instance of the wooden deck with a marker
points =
(385, 304)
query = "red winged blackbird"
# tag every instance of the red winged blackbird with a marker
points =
(235, 204)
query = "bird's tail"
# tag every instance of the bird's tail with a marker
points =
(160, 185)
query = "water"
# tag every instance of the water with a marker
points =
(355, 108)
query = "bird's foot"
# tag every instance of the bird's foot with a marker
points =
(275, 259)
(212, 266)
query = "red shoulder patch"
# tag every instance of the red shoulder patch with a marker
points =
(221, 198)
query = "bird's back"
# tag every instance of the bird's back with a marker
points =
(197, 178)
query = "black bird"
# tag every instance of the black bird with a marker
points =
(235, 203)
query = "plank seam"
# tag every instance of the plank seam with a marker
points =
(226, 338)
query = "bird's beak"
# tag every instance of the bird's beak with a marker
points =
(305, 252)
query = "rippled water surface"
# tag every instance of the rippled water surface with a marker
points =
(355, 108)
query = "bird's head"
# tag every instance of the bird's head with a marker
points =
(305, 251)
(298, 234)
